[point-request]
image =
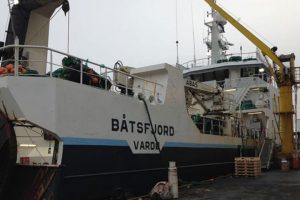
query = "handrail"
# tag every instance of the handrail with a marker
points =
(187, 63)
(50, 64)
(66, 54)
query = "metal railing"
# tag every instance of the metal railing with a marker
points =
(207, 61)
(102, 70)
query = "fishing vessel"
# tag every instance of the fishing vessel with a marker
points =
(75, 129)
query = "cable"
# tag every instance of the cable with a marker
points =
(34, 143)
(6, 26)
(68, 47)
(149, 117)
(246, 25)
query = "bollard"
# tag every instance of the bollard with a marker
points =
(173, 179)
(285, 165)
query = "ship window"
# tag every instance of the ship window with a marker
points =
(249, 71)
(207, 125)
(208, 76)
(216, 127)
(221, 75)
(218, 75)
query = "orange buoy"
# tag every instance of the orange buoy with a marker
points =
(95, 80)
(4, 71)
(9, 67)
(1, 70)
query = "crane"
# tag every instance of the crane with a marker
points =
(284, 76)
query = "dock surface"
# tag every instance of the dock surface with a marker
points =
(271, 185)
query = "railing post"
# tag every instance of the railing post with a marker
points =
(51, 63)
(105, 78)
(16, 56)
(81, 72)
(126, 85)
(203, 128)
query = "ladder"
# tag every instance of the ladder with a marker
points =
(266, 153)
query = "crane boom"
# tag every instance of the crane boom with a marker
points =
(285, 80)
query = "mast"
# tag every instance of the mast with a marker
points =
(217, 43)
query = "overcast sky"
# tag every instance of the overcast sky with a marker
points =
(143, 32)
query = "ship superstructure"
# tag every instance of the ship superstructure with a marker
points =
(249, 95)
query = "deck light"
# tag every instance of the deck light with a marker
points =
(230, 90)
(261, 70)
(255, 113)
(27, 145)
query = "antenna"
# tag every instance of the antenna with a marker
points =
(193, 28)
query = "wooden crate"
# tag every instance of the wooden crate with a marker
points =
(247, 166)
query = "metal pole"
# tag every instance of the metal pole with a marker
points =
(126, 85)
(173, 179)
(105, 78)
(16, 56)
(203, 128)
(51, 63)
(81, 72)
(296, 116)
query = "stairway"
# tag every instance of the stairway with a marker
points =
(240, 94)
(266, 153)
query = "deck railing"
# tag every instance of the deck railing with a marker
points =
(207, 61)
(55, 55)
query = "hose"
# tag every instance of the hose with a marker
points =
(141, 97)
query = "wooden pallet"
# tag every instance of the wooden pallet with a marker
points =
(247, 166)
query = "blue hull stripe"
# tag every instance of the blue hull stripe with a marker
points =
(123, 143)
(95, 142)
(195, 145)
